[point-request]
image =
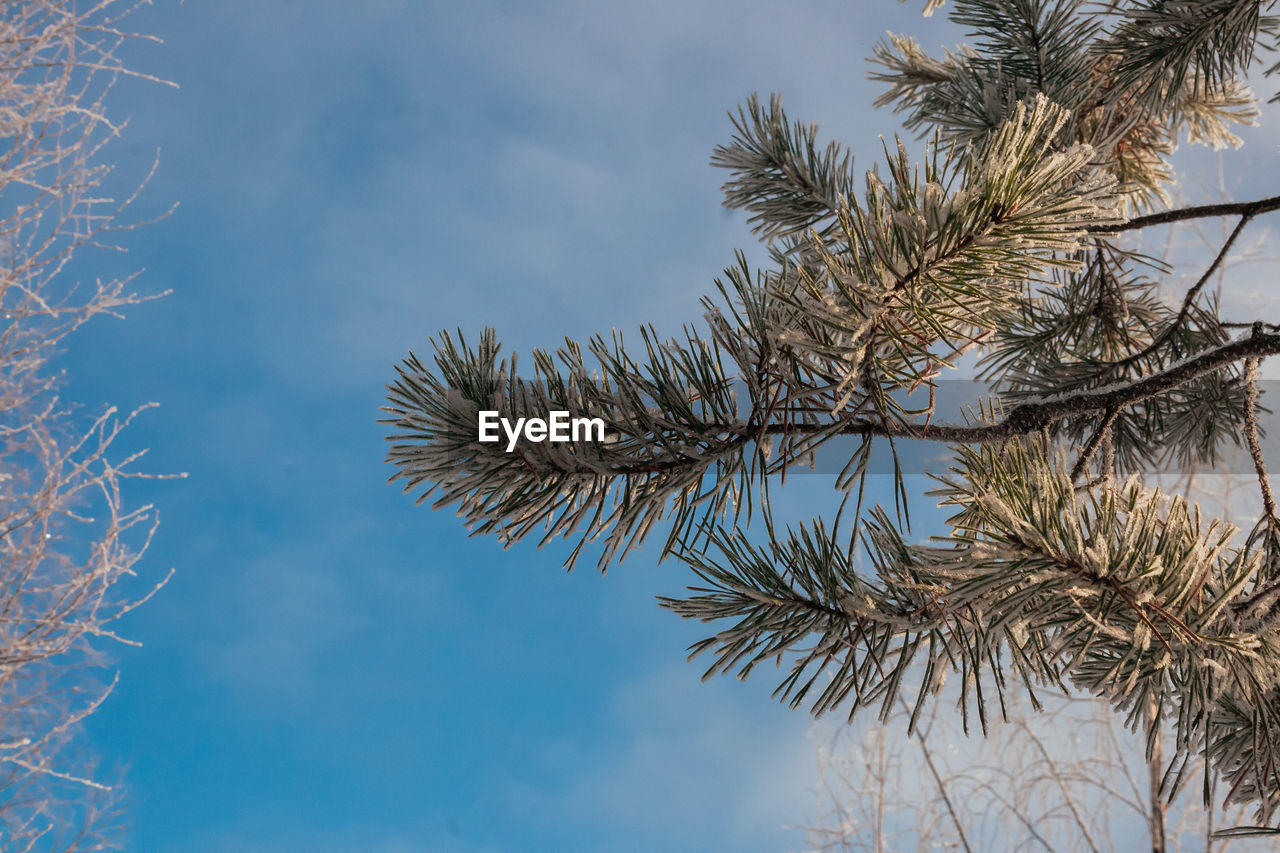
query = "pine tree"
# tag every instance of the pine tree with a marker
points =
(1048, 144)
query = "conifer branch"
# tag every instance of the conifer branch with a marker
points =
(1063, 119)
(1027, 418)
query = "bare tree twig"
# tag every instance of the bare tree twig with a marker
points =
(1251, 435)
(1190, 297)
(1099, 435)
(67, 540)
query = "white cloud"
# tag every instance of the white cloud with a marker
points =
(688, 765)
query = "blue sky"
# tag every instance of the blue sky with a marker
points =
(333, 668)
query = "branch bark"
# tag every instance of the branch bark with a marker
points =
(1029, 417)
(1202, 211)
(1022, 419)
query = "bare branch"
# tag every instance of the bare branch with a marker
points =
(68, 543)
(1251, 434)
(1247, 209)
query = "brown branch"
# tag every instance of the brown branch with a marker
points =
(1213, 267)
(1158, 819)
(1022, 419)
(1202, 211)
(1189, 299)
(1099, 434)
(942, 786)
(1029, 417)
(1251, 434)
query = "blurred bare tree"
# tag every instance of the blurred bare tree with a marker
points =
(1066, 778)
(67, 538)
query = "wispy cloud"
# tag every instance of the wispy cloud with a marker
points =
(684, 766)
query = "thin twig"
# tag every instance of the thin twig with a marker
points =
(937, 778)
(1251, 434)
(1057, 776)
(1096, 439)
(1189, 299)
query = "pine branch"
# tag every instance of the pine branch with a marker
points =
(1164, 44)
(1028, 418)
(1122, 594)
(1064, 115)
(780, 176)
(916, 267)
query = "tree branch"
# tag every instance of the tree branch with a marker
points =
(1082, 464)
(1021, 420)
(1191, 294)
(942, 786)
(1189, 299)
(1028, 417)
(1251, 434)
(1202, 211)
